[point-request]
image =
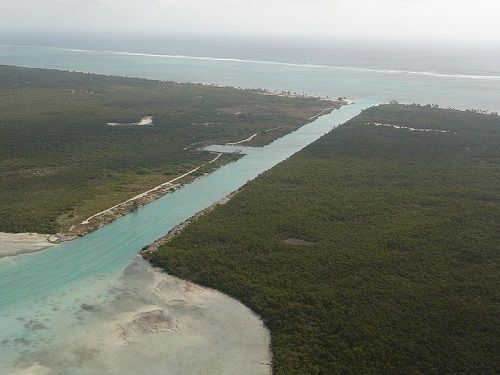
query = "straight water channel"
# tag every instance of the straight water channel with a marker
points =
(46, 297)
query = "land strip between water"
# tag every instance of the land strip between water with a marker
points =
(60, 163)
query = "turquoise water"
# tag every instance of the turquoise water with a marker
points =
(442, 86)
(42, 293)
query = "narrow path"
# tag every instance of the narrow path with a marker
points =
(271, 129)
(319, 114)
(244, 140)
(161, 186)
(141, 195)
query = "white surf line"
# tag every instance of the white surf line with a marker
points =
(267, 62)
(408, 128)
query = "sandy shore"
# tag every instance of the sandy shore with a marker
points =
(12, 244)
(153, 324)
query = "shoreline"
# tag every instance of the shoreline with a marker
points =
(175, 231)
(261, 91)
(270, 62)
(123, 208)
(155, 322)
(12, 244)
(110, 214)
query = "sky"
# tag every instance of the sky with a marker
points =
(468, 20)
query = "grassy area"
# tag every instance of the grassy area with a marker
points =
(373, 250)
(60, 162)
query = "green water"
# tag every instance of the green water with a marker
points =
(42, 294)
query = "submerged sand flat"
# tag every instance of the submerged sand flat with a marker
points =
(19, 243)
(155, 324)
(81, 307)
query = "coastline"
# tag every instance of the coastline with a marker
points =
(437, 74)
(159, 323)
(175, 231)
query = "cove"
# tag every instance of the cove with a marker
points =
(46, 298)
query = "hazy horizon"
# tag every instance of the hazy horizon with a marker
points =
(468, 21)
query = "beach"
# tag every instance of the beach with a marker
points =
(12, 244)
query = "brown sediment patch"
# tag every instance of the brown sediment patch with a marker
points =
(297, 242)
(153, 322)
(89, 308)
(34, 325)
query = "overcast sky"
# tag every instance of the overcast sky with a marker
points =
(420, 19)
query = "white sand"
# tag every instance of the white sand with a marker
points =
(148, 120)
(145, 121)
(155, 324)
(19, 243)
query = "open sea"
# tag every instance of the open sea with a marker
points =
(458, 76)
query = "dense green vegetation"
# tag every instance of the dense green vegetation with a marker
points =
(400, 271)
(60, 162)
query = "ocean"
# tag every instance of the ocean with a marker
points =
(457, 76)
